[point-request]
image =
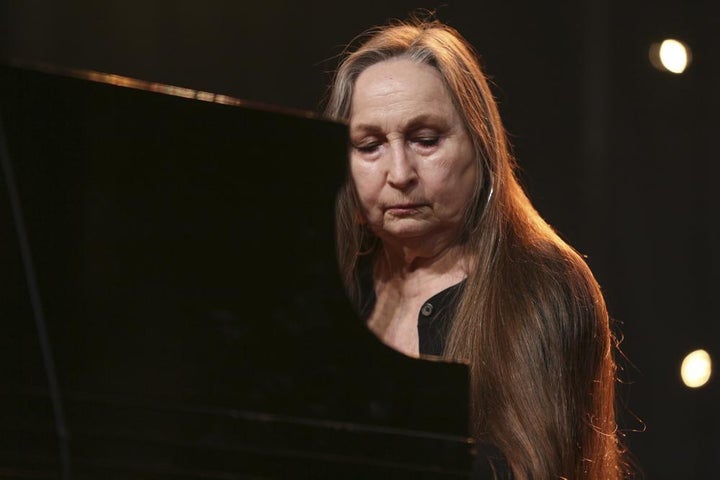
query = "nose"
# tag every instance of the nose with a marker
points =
(401, 169)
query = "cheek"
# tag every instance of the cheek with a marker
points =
(366, 182)
(454, 186)
(465, 184)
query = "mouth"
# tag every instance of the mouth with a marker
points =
(403, 209)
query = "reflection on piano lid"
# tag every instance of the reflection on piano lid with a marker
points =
(184, 258)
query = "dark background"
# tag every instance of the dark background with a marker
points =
(619, 157)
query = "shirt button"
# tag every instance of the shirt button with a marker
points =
(427, 309)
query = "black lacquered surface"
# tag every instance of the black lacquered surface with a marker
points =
(184, 256)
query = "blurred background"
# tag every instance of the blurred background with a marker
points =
(617, 151)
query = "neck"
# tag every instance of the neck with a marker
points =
(405, 260)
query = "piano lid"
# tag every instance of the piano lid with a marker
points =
(183, 248)
(137, 84)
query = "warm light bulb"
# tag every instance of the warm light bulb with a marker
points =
(673, 55)
(696, 369)
(670, 55)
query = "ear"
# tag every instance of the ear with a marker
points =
(360, 218)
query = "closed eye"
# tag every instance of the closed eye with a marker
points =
(426, 142)
(367, 148)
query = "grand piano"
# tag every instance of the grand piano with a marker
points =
(171, 306)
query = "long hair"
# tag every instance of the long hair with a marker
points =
(531, 321)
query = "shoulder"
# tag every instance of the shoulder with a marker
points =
(549, 295)
(552, 270)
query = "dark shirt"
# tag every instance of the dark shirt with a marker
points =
(434, 316)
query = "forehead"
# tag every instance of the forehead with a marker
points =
(399, 87)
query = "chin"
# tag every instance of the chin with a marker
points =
(401, 232)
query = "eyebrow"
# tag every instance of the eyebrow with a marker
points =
(420, 120)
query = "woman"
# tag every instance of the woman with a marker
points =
(444, 254)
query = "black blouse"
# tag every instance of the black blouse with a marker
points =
(434, 316)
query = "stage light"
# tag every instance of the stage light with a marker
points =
(696, 369)
(671, 55)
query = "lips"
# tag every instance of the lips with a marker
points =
(403, 209)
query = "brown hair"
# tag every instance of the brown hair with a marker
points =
(531, 320)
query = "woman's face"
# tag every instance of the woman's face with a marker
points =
(411, 158)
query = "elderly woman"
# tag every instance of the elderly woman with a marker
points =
(443, 254)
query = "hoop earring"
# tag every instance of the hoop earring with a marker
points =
(489, 197)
